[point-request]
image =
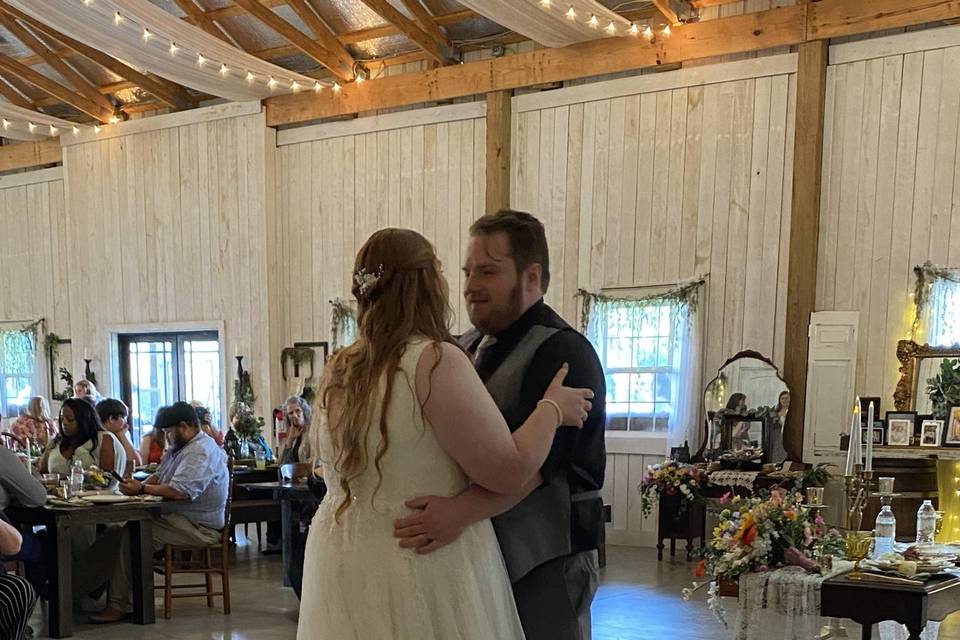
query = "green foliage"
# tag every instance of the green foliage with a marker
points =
(817, 476)
(944, 388)
(343, 324)
(67, 392)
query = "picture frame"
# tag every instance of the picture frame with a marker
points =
(865, 407)
(900, 426)
(930, 433)
(878, 437)
(951, 435)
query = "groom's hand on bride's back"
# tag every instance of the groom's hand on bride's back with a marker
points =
(437, 522)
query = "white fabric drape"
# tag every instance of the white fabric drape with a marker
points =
(96, 25)
(685, 423)
(18, 119)
(550, 25)
(940, 321)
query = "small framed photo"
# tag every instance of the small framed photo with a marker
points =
(930, 431)
(952, 434)
(878, 436)
(900, 428)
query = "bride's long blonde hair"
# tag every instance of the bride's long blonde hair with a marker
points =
(401, 293)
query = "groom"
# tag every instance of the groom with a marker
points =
(550, 532)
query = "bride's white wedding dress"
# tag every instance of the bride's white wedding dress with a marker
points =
(358, 584)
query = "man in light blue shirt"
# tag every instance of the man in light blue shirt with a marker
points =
(193, 482)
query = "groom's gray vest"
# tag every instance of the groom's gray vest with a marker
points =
(536, 530)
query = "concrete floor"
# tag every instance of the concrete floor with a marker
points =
(639, 599)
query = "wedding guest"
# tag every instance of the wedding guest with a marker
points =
(19, 486)
(83, 438)
(296, 446)
(192, 480)
(17, 596)
(113, 415)
(36, 424)
(85, 390)
(206, 423)
(551, 529)
(152, 446)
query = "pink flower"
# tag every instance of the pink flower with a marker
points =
(819, 520)
(725, 499)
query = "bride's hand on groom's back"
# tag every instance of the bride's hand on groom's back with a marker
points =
(437, 522)
(574, 404)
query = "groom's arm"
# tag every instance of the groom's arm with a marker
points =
(441, 520)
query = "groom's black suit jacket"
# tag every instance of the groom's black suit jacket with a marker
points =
(565, 514)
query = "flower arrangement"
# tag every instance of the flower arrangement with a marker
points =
(672, 478)
(759, 534)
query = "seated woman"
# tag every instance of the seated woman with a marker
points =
(296, 446)
(85, 390)
(206, 423)
(113, 416)
(152, 446)
(16, 595)
(36, 424)
(81, 437)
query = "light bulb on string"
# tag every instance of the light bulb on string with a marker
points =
(6, 123)
(611, 28)
(53, 130)
(571, 13)
(360, 79)
(295, 86)
(117, 18)
(634, 29)
(545, 4)
(666, 31)
(32, 127)
(224, 70)
(648, 33)
(251, 77)
(96, 128)
(173, 48)
(76, 130)
(271, 82)
(114, 119)
(87, 2)
(146, 35)
(317, 86)
(593, 22)
(336, 87)
(200, 59)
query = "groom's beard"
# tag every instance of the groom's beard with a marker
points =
(502, 317)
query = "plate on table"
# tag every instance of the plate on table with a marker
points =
(107, 498)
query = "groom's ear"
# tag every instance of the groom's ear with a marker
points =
(533, 277)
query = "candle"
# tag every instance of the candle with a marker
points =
(853, 449)
(869, 464)
(86, 354)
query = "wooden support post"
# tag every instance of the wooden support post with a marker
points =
(498, 150)
(804, 231)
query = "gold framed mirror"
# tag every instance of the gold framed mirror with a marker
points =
(918, 362)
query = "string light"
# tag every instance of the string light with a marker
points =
(251, 77)
(545, 4)
(271, 82)
(87, 2)
(200, 59)
(114, 119)
(593, 22)
(173, 48)
(571, 13)
(648, 33)
(32, 127)
(634, 30)
(76, 130)
(317, 86)
(96, 128)
(146, 34)
(117, 18)
(6, 123)
(336, 87)
(53, 130)
(611, 28)
(360, 79)
(295, 86)
(666, 31)
(224, 70)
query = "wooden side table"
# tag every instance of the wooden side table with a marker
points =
(672, 524)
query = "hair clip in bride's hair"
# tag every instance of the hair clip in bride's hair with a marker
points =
(365, 279)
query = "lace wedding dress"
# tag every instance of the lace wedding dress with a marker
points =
(358, 584)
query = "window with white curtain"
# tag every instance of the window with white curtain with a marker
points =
(18, 364)
(943, 313)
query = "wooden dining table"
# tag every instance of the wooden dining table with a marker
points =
(59, 520)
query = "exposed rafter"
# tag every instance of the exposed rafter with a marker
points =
(409, 28)
(10, 93)
(166, 91)
(663, 6)
(300, 40)
(427, 23)
(199, 17)
(55, 89)
(324, 35)
(82, 84)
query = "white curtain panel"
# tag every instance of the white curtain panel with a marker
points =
(147, 37)
(15, 124)
(556, 23)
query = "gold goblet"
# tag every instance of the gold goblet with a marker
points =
(858, 548)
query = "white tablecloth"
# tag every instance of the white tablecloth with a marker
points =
(785, 605)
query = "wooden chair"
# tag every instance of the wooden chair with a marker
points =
(205, 565)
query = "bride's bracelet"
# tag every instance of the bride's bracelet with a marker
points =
(554, 404)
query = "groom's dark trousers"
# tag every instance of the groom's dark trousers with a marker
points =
(550, 539)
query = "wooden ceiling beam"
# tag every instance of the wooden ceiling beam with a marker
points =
(200, 18)
(409, 28)
(384, 30)
(82, 84)
(427, 23)
(9, 91)
(324, 34)
(777, 27)
(663, 6)
(55, 89)
(233, 10)
(170, 93)
(21, 155)
(297, 38)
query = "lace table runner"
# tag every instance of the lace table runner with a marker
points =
(785, 605)
(734, 478)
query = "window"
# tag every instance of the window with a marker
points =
(159, 369)
(639, 345)
(943, 318)
(18, 357)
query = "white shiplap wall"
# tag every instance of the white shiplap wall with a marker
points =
(655, 179)
(891, 176)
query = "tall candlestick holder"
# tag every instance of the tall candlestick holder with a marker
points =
(858, 490)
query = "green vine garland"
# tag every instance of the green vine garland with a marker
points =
(687, 295)
(343, 323)
(927, 274)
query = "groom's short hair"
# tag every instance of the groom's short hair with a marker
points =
(528, 240)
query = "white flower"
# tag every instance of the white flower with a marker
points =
(365, 279)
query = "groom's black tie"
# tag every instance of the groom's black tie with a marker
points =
(481, 356)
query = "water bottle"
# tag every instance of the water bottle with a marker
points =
(926, 523)
(885, 532)
(76, 477)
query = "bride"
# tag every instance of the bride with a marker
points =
(402, 413)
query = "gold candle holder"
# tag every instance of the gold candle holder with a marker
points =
(858, 491)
